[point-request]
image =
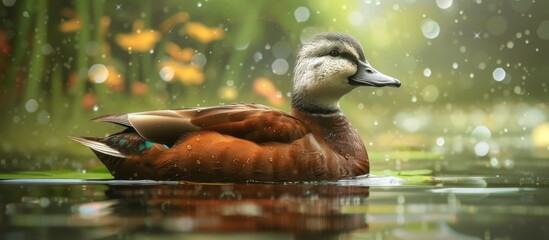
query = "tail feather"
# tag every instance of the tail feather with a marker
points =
(121, 119)
(98, 146)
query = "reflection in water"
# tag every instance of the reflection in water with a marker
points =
(76, 209)
(236, 208)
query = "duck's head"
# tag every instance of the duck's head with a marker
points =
(328, 66)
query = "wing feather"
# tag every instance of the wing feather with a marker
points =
(253, 122)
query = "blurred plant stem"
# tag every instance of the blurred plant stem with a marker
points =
(36, 71)
(57, 96)
(146, 59)
(21, 44)
(101, 91)
(249, 30)
(83, 35)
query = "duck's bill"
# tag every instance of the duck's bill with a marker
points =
(366, 75)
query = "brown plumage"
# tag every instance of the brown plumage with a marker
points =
(242, 142)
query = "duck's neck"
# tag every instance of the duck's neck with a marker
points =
(336, 131)
(312, 106)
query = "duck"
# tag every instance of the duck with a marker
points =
(244, 142)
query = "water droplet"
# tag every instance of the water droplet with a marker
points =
(8, 3)
(543, 30)
(302, 14)
(199, 4)
(189, 147)
(499, 74)
(430, 29)
(481, 133)
(440, 141)
(455, 65)
(31, 105)
(167, 73)
(98, 73)
(494, 162)
(43, 117)
(444, 4)
(427, 72)
(258, 56)
(199, 59)
(482, 148)
(280, 66)
(198, 162)
(270, 159)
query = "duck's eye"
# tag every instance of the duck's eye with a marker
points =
(334, 53)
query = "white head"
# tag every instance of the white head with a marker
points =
(329, 66)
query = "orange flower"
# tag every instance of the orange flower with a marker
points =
(140, 40)
(187, 74)
(115, 80)
(71, 25)
(184, 55)
(105, 23)
(203, 33)
(169, 23)
(73, 81)
(266, 88)
(88, 101)
(139, 88)
(227, 93)
(5, 48)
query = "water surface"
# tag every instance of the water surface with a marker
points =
(508, 205)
